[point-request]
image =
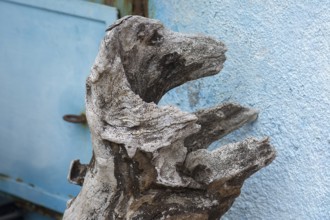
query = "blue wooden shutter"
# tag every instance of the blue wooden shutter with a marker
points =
(46, 51)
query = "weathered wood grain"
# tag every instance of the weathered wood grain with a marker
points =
(150, 162)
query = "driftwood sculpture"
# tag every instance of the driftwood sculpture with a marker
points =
(151, 162)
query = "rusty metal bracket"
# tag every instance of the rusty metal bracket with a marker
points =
(75, 118)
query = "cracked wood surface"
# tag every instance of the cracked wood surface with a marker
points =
(151, 162)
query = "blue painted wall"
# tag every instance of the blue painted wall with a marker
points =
(278, 61)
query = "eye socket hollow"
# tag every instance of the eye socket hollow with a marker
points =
(141, 31)
(156, 39)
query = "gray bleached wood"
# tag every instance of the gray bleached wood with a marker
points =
(150, 162)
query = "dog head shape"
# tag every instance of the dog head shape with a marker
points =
(138, 62)
(154, 57)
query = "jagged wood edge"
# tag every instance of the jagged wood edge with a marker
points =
(140, 165)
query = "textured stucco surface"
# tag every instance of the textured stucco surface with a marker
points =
(278, 61)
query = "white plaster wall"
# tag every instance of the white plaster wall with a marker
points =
(278, 61)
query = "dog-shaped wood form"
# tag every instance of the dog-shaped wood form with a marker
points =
(151, 162)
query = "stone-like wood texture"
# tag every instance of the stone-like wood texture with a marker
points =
(151, 162)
